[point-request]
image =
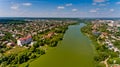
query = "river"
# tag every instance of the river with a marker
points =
(75, 50)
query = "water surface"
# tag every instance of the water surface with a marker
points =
(75, 50)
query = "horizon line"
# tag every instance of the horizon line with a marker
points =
(59, 17)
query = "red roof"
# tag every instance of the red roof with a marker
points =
(25, 38)
(116, 65)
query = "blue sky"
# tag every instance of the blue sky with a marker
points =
(59, 8)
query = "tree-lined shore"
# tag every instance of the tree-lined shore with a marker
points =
(52, 32)
(105, 55)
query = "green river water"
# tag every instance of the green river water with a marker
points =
(75, 50)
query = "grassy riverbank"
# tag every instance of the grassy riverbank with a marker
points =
(48, 42)
(104, 57)
(100, 54)
(43, 40)
(74, 50)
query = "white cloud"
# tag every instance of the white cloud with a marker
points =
(15, 7)
(26, 4)
(118, 3)
(99, 1)
(69, 4)
(102, 4)
(94, 3)
(93, 11)
(97, 8)
(111, 10)
(60, 7)
(74, 10)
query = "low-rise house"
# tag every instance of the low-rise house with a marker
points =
(10, 44)
(25, 40)
(110, 46)
(1, 34)
(5, 42)
(118, 25)
(96, 33)
(116, 50)
(49, 35)
(111, 24)
(104, 35)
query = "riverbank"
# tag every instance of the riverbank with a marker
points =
(104, 54)
(43, 40)
(97, 63)
(49, 42)
(74, 50)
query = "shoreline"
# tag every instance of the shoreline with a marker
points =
(66, 45)
(104, 56)
(47, 48)
(95, 44)
(105, 61)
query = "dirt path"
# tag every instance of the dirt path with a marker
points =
(105, 62)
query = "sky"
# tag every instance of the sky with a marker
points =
(60, 8)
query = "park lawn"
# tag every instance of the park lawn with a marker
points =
(15, 50)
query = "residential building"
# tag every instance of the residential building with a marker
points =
(25, 40)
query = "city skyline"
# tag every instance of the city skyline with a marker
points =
(59, 8)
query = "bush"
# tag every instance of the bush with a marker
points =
(27, 65)
(111, 61)
(100, 65)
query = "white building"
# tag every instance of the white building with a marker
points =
(111, 23)
(118, 25)
(23, 41)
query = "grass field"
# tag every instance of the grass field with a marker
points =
(15, 50)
